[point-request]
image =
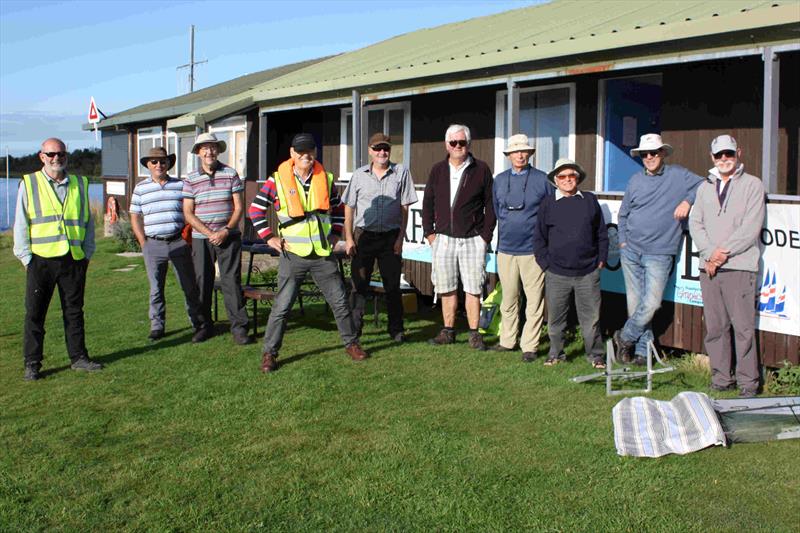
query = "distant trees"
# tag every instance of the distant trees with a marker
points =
(85, 162)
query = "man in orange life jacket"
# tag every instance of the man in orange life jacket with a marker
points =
(54, 239)
(310, 215)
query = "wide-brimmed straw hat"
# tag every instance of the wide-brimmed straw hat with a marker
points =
(651, 142)
(563, 163)
(518, 143)
(205, 138)
(158, 152)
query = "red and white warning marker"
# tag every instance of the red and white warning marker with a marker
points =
(94, 116)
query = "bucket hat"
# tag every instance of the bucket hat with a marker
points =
(651, 142)
(205, 138)
(563, 163)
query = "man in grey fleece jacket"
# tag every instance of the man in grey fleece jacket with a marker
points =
(725, 224)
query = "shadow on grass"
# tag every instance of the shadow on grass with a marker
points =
(177, 338)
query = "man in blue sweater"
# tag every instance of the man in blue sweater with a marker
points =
(516, 196)
(571, 242)
(650, 228)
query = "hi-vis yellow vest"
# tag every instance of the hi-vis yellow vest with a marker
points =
(308, 232)
(57, 228)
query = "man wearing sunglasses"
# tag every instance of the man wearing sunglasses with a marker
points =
(157, 220)
(376, 203)
(517, 193)
(650, 226)
(54, 239)
(458, 221)
(725, 224)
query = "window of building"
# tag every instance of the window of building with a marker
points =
(148, 138)
(392, 119)
(547, 117)
(234, 132)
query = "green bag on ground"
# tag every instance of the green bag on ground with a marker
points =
(489, 323)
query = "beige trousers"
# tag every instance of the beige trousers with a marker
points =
(521, 272)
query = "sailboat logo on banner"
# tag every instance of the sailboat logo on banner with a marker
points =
(771, 300)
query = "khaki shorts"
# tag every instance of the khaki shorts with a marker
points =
(455, 257)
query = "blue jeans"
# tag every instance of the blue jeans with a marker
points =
(645, 278)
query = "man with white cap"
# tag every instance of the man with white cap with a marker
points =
(571, 242)
(156, 211)
(213, 204)
(658, 198)
(725, 224)
(516, 196)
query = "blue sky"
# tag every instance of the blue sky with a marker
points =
(55, 55)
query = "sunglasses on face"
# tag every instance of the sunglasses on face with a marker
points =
(651, 153)
(462, 143)
(155, 162)
(51, 155)
(567, 176)
(730, 154)
(381, 148)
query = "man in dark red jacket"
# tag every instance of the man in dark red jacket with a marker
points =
(458, 220)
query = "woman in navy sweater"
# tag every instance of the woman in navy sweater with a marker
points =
(571, 246)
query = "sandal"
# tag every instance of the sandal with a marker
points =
(554, 360)
(598, 363)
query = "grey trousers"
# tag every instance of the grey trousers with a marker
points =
(729, 302)
(292, 269)
(157, 254)
(229, 258)
(559, 290)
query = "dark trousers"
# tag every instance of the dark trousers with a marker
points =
(372, 246)
(229, 258)
(558, 291)
(43, 276)
(292, 270)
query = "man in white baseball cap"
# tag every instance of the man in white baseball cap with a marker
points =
(725, 224)
(657, 200)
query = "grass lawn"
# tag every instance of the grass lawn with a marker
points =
(180, 437)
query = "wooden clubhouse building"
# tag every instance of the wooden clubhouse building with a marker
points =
(583, 79)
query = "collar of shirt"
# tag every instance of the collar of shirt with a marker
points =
(459, 168)
(388, 170)
(660, 171)
(57, 183)
(560, 195)
(524, 170)
(305, 179)
(168, 180)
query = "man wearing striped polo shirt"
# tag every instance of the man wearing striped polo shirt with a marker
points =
(157, 220)
(213, 204)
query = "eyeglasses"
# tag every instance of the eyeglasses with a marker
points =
(381, 148)
(730, 154)
(461, 142)
(208, 148)
(650, 153)
(51, 155)
(157, 162)
(572, 175)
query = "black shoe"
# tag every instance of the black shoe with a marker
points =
(399, 337)
(201, 335)
(155, 334)
(85, 364)
(747, 393)
(32, 372)
(639, 360)
(529, 357)
(622, 349)
(242, 338)
(500, 348)
(723, 388)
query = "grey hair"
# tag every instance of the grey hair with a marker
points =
(455, 128)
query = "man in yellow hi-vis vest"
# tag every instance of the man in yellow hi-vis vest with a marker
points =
(310, 215)
(54, 239)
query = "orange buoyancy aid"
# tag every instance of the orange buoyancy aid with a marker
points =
(319, 194)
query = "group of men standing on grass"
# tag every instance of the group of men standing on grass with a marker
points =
(552, 243)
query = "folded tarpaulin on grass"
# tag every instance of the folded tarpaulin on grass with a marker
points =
(653, 428)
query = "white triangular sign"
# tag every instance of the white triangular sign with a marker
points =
(94, 116)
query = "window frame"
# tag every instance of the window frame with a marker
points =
(141, 171)
(233, 125)
(501, 162)
(346, 115)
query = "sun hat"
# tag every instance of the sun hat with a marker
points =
(722, 143)
(563, 163)
(650, 142)
(205, 138)
(158, 152)
(518, 143)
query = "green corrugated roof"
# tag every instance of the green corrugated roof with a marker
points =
(526, 35)
(188, 102)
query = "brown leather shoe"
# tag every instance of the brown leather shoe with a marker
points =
(476, 341)
(444, 337)
(356, 352)
(268, 363)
